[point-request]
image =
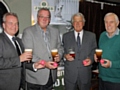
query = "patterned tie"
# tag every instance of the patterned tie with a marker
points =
(78, 41)
(17, 46)
(46, 41)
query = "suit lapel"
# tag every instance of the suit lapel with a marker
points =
(21, 45)
(10, 43)
(6, 37)
(84, 39)
(38, 33)
(72, 40)
(49, 38)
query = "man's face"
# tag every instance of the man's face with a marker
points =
(11, 25)
(110, 24)
(78, 23)
(43, 19)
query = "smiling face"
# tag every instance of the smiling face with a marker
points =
(43, 19)
(111, 24)
(10, 25)
(78, 23)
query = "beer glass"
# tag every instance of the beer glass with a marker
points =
(54, 52)
(72, 53)
(29, 51)
(98, 53)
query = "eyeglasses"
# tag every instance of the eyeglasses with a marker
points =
(43, 17)
(11, 23)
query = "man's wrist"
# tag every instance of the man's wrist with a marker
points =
(34, 67)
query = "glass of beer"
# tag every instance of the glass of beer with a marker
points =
(29, 51)
(54, 52)
(98, 53)
(72, 53)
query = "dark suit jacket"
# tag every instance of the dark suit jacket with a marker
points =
(74, 69)
(10, 66)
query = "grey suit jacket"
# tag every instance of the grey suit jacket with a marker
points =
(10, 66)
(32, 38)
(75, 69)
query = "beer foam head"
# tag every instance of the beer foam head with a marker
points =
(54, 50)
(29, 50)
(98, 50)
(71, 52)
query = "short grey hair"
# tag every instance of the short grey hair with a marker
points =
(80, 15)
(9, 14)
(46, 9)
(110, 13)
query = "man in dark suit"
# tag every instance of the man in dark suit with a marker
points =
(78, 68)
(42, 38)
(10, 60)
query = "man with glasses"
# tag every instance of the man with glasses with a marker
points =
(42, 38)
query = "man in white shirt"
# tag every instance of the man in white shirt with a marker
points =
(10, 60)
(78, 68)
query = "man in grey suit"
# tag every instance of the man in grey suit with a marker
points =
(42, 39)
(10, 60)
(78, 68)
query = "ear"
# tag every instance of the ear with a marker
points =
(3, 25)
(83, 23)
(118, 23)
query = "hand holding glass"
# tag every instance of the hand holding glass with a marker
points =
(54, 52)
(72, 53)
(29, 51)
(98, 54)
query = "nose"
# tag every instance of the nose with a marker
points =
(77, 23)
(45, 18)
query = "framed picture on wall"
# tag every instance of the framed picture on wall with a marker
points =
(61, 10)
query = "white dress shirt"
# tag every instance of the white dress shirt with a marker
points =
(81, 35)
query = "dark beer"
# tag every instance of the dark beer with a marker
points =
(72, 53)
(98, 54)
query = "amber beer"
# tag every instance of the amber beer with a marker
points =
(54, 52)
(98, 53)
(29, 51)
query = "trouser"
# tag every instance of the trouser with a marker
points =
(105, 85)
(77, 86)
(48, 86)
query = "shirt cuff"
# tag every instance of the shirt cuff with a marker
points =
(34, 68)
(110, 64)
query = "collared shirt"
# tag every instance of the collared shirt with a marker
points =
(115, 33)
(44, 32)
(10, 37)
(45, 35)
(81, 35)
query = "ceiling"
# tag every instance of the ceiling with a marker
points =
(110, 1)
